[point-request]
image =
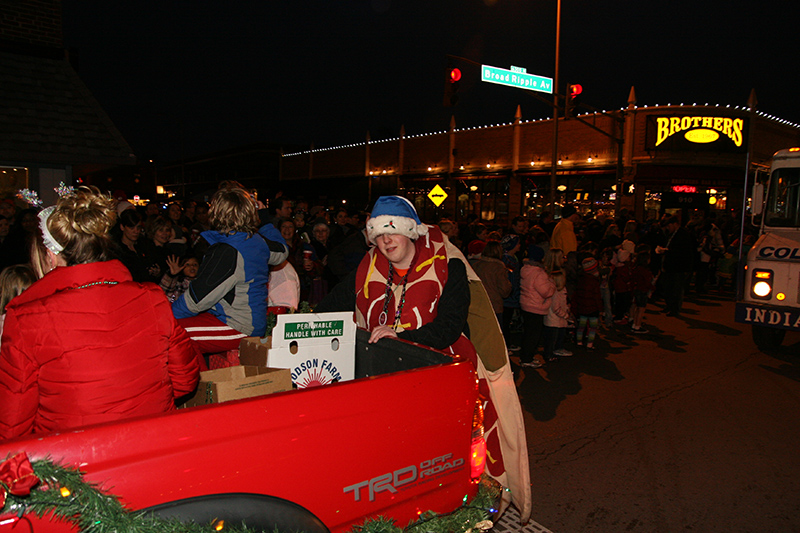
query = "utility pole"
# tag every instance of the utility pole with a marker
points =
(752, 103)
(554, 163)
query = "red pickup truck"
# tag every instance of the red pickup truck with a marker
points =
(402, 438)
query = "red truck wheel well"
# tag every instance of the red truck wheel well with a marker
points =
(256, 510)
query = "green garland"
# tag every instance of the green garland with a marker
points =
(63, 494)
(272, 318)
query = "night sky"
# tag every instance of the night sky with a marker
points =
(182, 78)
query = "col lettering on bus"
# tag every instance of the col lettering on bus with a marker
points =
(781, 252)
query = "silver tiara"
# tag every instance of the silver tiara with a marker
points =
(32, 197)
(48, 239)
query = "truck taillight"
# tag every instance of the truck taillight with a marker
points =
(478, 447)
(761, 286)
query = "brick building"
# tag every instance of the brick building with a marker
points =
(51, 127)
(647, 159)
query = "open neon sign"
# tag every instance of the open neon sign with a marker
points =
(684, 188)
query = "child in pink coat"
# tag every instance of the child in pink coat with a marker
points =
(557, 320)
(536, 290)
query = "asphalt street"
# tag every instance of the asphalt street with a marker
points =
(686, 428)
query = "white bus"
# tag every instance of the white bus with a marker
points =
(771, 297)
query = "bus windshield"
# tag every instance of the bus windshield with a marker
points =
(783, 201)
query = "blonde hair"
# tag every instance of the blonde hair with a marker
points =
(559, 278)
(81, 222)
(553, 259)
(40, 262)
(13, 280)
(233, 210)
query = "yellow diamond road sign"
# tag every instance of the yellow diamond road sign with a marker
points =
(437, 195)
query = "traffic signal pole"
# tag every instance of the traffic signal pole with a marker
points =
(554, 163)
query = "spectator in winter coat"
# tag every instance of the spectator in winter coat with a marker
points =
(511, 245)
(494, 276)
(284, 289)
(179, 276)
(74, 339)
(450, 230)
(200, 224)
(13, 280)
(322, 276)
(474, 250)
(710, 247)
(557, 320)
(588, 302)
(606, 269)
(623, 287)
(642, 281)
(156, 247)
(346, 257)
(536, 290)
(678, 263)
(564, 233)
(129, 233)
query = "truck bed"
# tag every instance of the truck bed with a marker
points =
(395, 441)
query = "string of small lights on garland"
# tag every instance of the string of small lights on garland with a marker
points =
(46, 489)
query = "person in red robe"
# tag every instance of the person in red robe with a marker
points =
(415, 285)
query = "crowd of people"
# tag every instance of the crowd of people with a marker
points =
(110, 310)
(570, 277)
(222, 267)
(216, 270)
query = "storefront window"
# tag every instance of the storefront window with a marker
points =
(536, 191)
(652, 204)
(717, 199)
(681, 199)
(486, 198)
(588, 193)
(417, 194)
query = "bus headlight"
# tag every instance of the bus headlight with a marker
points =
(762, 284)
(762, 289)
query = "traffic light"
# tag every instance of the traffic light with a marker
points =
(573, 100)
(452, 78)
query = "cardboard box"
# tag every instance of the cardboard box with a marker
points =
(318, 349)
(237, 382)
(254, 351)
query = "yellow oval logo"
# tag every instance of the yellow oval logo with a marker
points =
(701, 136)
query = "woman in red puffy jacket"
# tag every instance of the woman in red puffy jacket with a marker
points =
(85, 344)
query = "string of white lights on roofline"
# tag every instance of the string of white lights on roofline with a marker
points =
(504, 124)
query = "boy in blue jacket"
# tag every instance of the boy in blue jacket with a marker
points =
(228, 299)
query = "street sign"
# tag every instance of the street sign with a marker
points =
(516, 77)
(437, 196)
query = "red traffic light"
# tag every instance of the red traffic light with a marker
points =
(455, 75)
(575, 90)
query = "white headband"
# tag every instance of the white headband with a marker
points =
(49, 241)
